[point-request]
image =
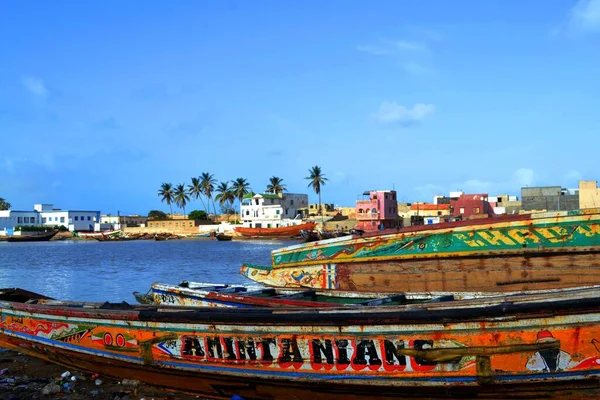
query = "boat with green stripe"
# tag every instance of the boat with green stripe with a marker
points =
(508, 253)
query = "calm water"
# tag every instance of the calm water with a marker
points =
(111, 271)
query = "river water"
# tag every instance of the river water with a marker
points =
(111, 271)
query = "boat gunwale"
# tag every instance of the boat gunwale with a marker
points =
(485, 309)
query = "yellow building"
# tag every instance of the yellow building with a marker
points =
(589, 194)
(173, 225)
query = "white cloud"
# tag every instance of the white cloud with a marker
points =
(407, 45)
(585, 16)
(35, 86)
(390, 112)
(413, 56)
(524, 177)
(571, 177)
(415, 68)
(374, 50)
(397, 47)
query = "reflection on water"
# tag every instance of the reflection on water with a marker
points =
(110, 271)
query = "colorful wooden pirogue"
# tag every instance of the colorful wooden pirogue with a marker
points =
(521, 346)
(278, 232)
(511, 253)
(195, 294)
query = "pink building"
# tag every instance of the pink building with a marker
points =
(379, 212)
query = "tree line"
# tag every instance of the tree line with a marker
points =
(206, 187)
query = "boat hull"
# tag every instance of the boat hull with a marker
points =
(496, 347)
(549, 250)
(42, 237)
(492, 274)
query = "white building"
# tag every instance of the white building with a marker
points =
(10, 219)
(269, 210)
(45, 215)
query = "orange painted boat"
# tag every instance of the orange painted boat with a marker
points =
(278, 232)
(525, 346)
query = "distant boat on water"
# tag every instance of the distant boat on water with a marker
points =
(40, 237)
(276, 232)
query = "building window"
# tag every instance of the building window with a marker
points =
(43, 220)
(277, 212)
(462, 210)
(89, 218)
(62, 219)
(20, 220)
(292, 202)
(439, 213)
(76, 218)
(476, 210)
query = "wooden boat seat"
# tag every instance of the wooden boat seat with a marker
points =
(440, 299)
(267, 291)
(300, 295)
(116, 306)
(399, 298)
(234, 289)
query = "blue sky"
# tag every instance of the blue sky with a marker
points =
(101, 102)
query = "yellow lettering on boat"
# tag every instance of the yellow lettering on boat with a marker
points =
(523, 235)
(589, 230)
(549, 234)
(496, 237)
(468, 240)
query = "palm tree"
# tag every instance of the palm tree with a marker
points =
(208, 181)
(195, 190)
(167, 195)
(225, 195)
(275, 185)
(4, 205)
(240, 188)
(317, 179)
(181, 197)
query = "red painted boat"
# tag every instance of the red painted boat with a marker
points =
(279, 232)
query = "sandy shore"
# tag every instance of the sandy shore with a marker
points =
(23, 377)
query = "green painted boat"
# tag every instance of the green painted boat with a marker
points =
(510, 253)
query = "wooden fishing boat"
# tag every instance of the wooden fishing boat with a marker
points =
(99, 234)
(200, 294)
(40, 237)
(279, 232)
(522, 346)
(511, 253)
(192, 294)
(223, 237)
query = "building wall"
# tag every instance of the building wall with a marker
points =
(429, 210)
(589, 194)
(549, 198)
(173, 226)
(471, 205)
(10, 219)
(124, 220)
(292, 203)
(74, 220)
(270, 210)
(379, 211)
